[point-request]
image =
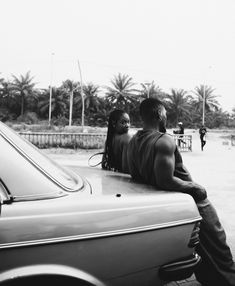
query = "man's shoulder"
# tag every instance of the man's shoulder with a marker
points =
(166, 143)
(167, 138)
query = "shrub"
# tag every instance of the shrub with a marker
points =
(28, 118)
(61, 120)
(5, 115)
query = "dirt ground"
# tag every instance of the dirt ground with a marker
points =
(213, 168)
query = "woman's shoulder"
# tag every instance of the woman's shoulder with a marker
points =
(125, 137)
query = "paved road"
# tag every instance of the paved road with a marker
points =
(213, 168)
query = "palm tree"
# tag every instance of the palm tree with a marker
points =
(122, 92)
(211, 102)
(70, 86)
(23, 87)
(205, 100)
(8, 106)
(91, 100)
(43, 102)
(58, 103)
(8, 99)
(151, 90)
(1, 80)
(5, 89)
(178, 105)
(91, 96)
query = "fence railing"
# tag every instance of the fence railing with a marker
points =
(184, 142)
(66, 140)
(86, 140)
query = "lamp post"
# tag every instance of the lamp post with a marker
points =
(71, 107)
(147, 84)
(50, 97)
(203, 104)
(82, 95)
(204, 95)
(71, 104)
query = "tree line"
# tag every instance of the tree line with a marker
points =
(73, 103)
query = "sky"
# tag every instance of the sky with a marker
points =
(175, 43)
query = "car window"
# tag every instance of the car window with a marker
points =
(62, 176)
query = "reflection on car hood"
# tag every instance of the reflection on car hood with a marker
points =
(105, 184)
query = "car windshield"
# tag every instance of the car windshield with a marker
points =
(62, 176)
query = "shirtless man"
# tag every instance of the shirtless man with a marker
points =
(154, 158)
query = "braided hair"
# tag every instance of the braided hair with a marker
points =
(108, 161)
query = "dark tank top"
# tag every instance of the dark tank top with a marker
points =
(141, 156)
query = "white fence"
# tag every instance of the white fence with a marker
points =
(87, 140)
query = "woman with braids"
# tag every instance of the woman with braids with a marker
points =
(114, 157)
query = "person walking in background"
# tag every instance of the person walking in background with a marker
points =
(202, 132)
(180, 131)
(154, 159)
(118, 137)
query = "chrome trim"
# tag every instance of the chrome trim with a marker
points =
(52, 269)
(19, 150)
(87, 212)
(100, 234)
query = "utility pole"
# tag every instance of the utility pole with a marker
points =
(147, 84)
(204, 96)
(71, 107)
(82, 95)
(50, 97)
(203, 104)
(71, 104)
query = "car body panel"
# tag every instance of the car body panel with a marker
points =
(106, 225)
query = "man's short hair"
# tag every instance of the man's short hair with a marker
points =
(151, 109)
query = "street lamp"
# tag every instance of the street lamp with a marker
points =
(50, 97)
(71, 107)
(81, 95)
(204, 96)
(148, 84)
(203, 104)
(71, 104)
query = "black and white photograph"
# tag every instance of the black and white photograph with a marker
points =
(117, 142)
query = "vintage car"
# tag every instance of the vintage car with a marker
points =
(86, 226)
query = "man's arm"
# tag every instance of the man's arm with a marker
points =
(164, 166)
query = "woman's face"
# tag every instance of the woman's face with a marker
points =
(123, 124)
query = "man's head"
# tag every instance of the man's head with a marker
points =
(153, 114)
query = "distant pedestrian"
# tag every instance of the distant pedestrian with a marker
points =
(180, 131)
(202, 132)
